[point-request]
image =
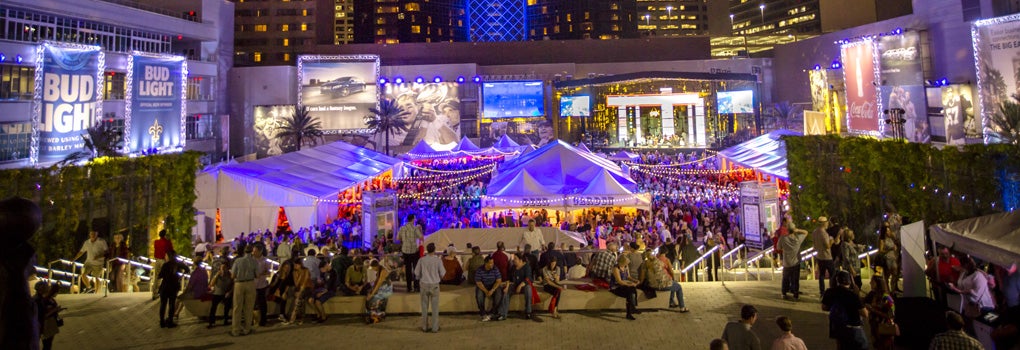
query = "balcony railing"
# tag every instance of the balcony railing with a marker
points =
(154, 9)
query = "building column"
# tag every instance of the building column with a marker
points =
(668, 125)
(621, 124)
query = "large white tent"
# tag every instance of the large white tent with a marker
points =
(561, 177)
(765, 153)
(994, 238)
(305, 183)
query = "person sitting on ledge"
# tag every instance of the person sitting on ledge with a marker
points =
(354, 279)
(602, 263)
(454, 273)
(487, 279)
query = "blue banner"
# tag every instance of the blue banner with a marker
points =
(70, 100)
(155, 103)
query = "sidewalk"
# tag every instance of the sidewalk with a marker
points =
(128, 321)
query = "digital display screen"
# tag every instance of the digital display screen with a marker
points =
(735, 102)
(575, 106)
(509, 99)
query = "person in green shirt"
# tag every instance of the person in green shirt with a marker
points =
(476, 261)
(354, 279)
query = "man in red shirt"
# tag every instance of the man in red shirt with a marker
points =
(501, 260)
(942, 270)
(160, 247)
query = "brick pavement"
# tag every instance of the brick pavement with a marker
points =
(128, 321)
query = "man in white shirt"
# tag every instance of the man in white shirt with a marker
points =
(284, 250)
(533, 237)
(94, 250)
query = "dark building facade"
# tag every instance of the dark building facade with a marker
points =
(275, 32)
(406, 21)
(799, 17)
(581, 19)
(673, 17)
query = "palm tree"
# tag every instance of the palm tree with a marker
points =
(101, 140)
(1007, 121)
(783, 113)
(300, 127)
(387, 119)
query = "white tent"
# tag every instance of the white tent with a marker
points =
(305, 183)
(624, 155)
(994, 238)
(765, 153)
(486, 238)
(559, 176)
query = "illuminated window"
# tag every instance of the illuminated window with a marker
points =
(568, 18)
(261, 27)
(380, 20)
(556, 29)
(392, 41)
(545, 10)
(257, 57)
(380, 31)
(284, 27)
(304, 27)
(387, 9)
(614, 6)
(532, 32)
(416, 29)
(413, 6)
(532, 2)
(545, 31)
(587, 15)
(286, 42)
(304, 12)
(286, 57)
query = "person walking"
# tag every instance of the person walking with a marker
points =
(790, 244)
(429, 272)
(823, 253)
(244, 271)
(169, 288)
(410, 236)
(738, 334)
(261, 282)
(49, 318)
(94, 249)
(160, 247)
(787, 341)
(846, 314)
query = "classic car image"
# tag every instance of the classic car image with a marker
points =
(342, 87)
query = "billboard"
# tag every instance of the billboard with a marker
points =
(911, 99)
(861, 94)
(339, 90)
(996, 50)
(510, 99)
(900, 57)
(735, 102)
(433, 112)
(68, 97)
(958, 109)
(268, 120)
(575, 106)
(155, 102)
(524, 131)
(814, 123)
(819, 83)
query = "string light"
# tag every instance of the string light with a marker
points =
(629, 163)
(419, 195)
(412, 165)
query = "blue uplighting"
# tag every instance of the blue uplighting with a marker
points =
(437, 80)
(398, 80)
(382, 81)
(419, 80)
(460, 79)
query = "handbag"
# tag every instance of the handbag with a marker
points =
(888, 329)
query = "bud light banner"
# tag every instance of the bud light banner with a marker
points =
(155, 104)
(68, 90)
(861, 93)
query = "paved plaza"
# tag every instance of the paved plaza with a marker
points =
(128, 321)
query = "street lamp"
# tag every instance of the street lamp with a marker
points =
(648, 23)
(731, 24)
(669, 15)
(762, 8)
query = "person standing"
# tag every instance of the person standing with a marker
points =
(19, 218)
(846, 314)
(222, 293)
(169, 288)
(48, 309)
(261, 282)
(787, 341)
(954, 338)
(244, 271)
(160, 247)
(790, 244)
(823, 253)
(410, 236)
(284, 251)
(94, 249)
(429, 272)
(533, 237)
(738, 334)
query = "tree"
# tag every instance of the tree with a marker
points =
(1007, 121)
(300, 127)
(101, 140)
(783, 113)
(387, 119)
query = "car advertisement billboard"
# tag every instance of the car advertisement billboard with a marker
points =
(156, 107)
(900, 57)
(268, 120)
(338, 90)
(996, 48)
(512, 99)
(735, 102)
(575, 106)
(69, 98)
(433, 112)
(861, 93)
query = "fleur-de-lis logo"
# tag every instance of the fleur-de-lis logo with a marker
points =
(155, 132)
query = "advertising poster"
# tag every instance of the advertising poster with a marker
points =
(958, 108)
(861, 94)
(531, 131)
(512, 99)
(819, 83)
(268, 119)
(155, 90)
(735, 102)
(900, 57)
(69, 97)
(814, 123)
(433, 113)
(911, 99)
(997, 50)
(339, 90)
(575, 106)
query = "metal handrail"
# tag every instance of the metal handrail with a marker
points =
(699, 259)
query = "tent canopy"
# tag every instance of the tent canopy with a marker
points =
(582, 147)
(486, 238)
(624, 155)
(506, 143)
(466, 145)
(765, 153)
(994, 238)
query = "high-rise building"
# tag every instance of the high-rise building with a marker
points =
(672, 17)
(581, 19)
(408, 21)
(497, 20)
(342, 17)
(783, 17)
(275, 32)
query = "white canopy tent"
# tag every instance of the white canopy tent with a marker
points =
(305, 183)
(486, 238)
(993, 238)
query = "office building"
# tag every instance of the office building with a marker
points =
(275, 32)
(497, 20)
(408, 21)
(581, 19)
(199, 30)
(781, 17)
(672, 17)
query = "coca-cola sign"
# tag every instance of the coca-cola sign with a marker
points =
(861, 93)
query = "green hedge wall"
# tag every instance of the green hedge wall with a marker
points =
(132, 196)
(856, 180)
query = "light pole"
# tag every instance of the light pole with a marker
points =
(648, 23)
(762, 8)
(669, 15)
(731, 24)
